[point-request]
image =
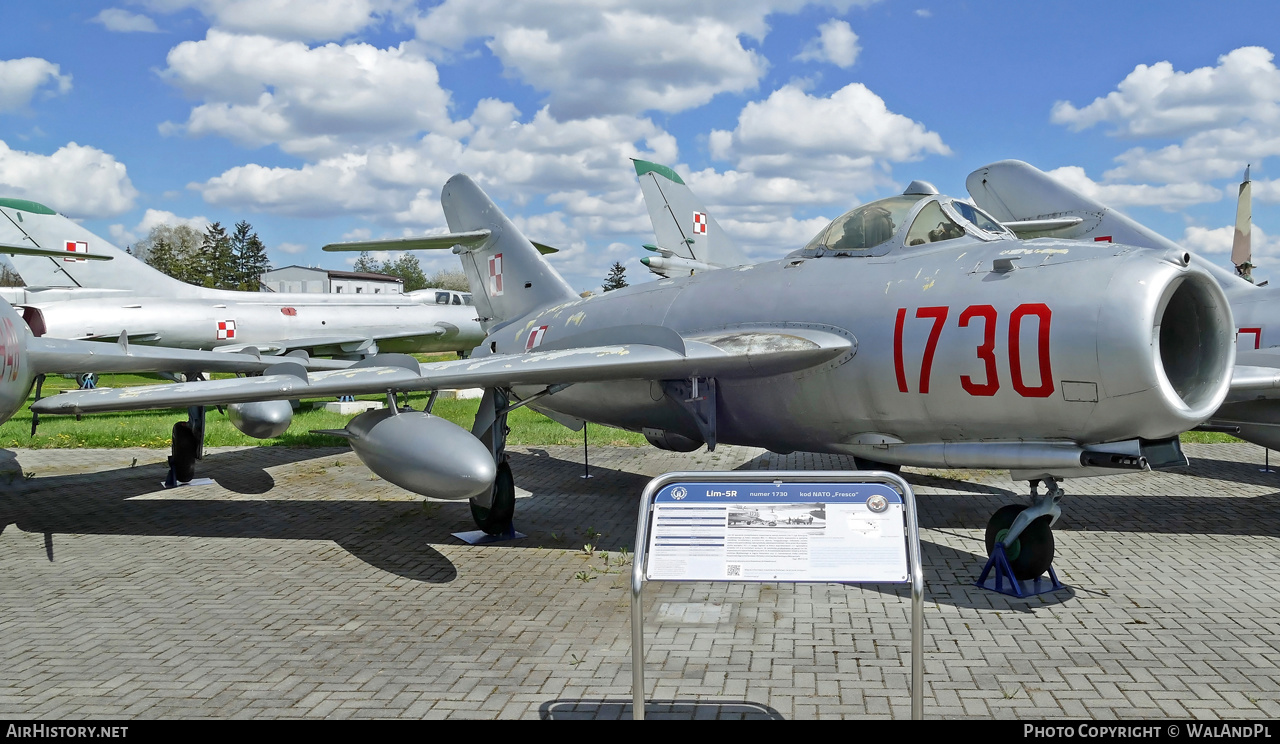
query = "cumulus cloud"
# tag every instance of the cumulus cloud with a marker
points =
(1168, 196)
(1226, 116)
(154, 218)
(122, 21)
(313, 20)
(21, 79)
(291, 248)
(1266, 191)
(258, 90)
(76, 180)
(1156, 100)
(836, 43)
(596, 57)
(516, 160)
(1217, 240)
(849, 135)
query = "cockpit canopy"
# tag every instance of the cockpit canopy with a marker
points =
(876, 228)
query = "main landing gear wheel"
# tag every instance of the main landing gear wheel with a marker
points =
(184, 452)
(496, 518)
(861, 463)
(1031, 553)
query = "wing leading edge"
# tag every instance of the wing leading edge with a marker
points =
(738, 354)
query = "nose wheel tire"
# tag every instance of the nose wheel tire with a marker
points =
(1032, 553)
(496, 518)
(861, 463)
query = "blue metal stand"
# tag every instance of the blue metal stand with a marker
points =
(1004, 582)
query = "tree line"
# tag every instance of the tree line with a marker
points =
(214, 258)
(407, 268)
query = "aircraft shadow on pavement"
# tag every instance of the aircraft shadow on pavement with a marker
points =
(675, 710)
(564, 511)
(390, 535)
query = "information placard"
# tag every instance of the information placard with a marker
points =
(726, 531)
(778, 526)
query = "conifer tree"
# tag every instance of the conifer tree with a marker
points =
(214, 262)
(617, 278)
(249, 258)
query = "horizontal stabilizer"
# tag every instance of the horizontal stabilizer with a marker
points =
(30, 250)
(735, 354)
(468, 239)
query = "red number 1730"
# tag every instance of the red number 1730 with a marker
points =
(985, 351)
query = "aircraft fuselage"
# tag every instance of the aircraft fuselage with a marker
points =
(200, 323)
(950, 346)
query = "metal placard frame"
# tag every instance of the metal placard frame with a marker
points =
(847, 477)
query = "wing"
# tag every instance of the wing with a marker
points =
(739, 354)
(52, 355)
(426, 243)
(326, 345)
(1256, 375)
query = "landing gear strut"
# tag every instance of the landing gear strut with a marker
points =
(494, 515)
(187, 445)
(1026, 531)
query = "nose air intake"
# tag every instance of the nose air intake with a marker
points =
(1193, 344)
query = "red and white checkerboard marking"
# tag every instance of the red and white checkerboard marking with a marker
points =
(699, 223)
(495, 275)
(535, 338)
(76, 246)
(226, 329)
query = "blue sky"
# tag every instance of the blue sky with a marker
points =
(319, 120)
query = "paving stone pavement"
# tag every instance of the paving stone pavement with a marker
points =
(301, 586)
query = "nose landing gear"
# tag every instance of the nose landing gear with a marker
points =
(1020, 543)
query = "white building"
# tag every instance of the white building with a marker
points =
(311, 279)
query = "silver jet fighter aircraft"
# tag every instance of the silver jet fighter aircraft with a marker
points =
(24, 359)
(911, 330)
(69, 297)
(1030, 201)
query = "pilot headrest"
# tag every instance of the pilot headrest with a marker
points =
(920, 188)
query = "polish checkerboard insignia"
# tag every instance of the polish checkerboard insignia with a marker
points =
(699, 223)
(226, 329)
(76, 246)
(495, 275)
(535, 338)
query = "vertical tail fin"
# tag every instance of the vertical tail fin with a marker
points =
(1241, 247)
(1012, 190)
(37, 225)
(507, 274)
(689, 238)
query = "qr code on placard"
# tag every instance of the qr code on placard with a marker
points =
(733, 569)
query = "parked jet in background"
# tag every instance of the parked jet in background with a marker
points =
(909, 335)
(1022, 194)
(68, 297)
(689, 238)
